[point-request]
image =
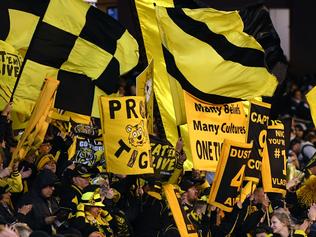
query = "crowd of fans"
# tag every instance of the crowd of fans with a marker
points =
(47, 194)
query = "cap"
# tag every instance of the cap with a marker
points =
(91, 196)
(81, 170)
(312, 162)
(45, 178)
(42, 161)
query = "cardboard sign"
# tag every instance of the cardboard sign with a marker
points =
(230, 174)
(274, 159)
(124, 130)
(257, 124)
(185, 227)
(209, 124)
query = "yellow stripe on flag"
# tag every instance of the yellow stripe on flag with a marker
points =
(152, 42)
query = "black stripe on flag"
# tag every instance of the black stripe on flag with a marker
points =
(173, 70)
(75, 93)
(52, 45)
(5, 24)
(35, 7)
(109, 79)
(102, 30)
(230, 52)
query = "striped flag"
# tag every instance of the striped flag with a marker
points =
(211, 57)
(84, 48)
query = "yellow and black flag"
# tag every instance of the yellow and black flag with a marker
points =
(211, 57)
(10, 63)
(311, 99)
(84, 48)
(37, 126)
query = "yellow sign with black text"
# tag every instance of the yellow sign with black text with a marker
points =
(229, 175)
(164, 159)
(274, 161)
(257, 130)
(209, 124)
(10, 63)
(125, 135)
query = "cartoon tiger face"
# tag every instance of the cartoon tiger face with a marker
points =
(136, 134)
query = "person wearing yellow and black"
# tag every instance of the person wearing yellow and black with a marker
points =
(110, 197)
(11, 177)
(149, 221)
(91, 215)
(7, 141)
(70, 193)
(155, 218)
(46, 161)
(253, 211)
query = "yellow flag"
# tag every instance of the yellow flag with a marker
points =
(208, 126)
(185, 227)
(311, 99)
(10, 63)
(125, 135)
(67, 116)
(81, 46)
(152, 42)
(36, 129)
(144, 87)
(208, 53)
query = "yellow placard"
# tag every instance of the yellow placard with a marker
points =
(257, 124)
(209, 124)
(185, 227)
(229, 175)
(144, 87)
(274, 162)
(125, 135)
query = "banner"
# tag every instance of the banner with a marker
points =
(150, 33)
(125, 136)
(258, 119)
(229, 174)
(88, 151)
(185, 227)
(37, 126)
(63, 115)
(210, 55)
(163, 155)
(209, 124)
(274, 161)
(10, 63)
(81, 46)
(144, 87)
(311, 99)
(85, 130)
